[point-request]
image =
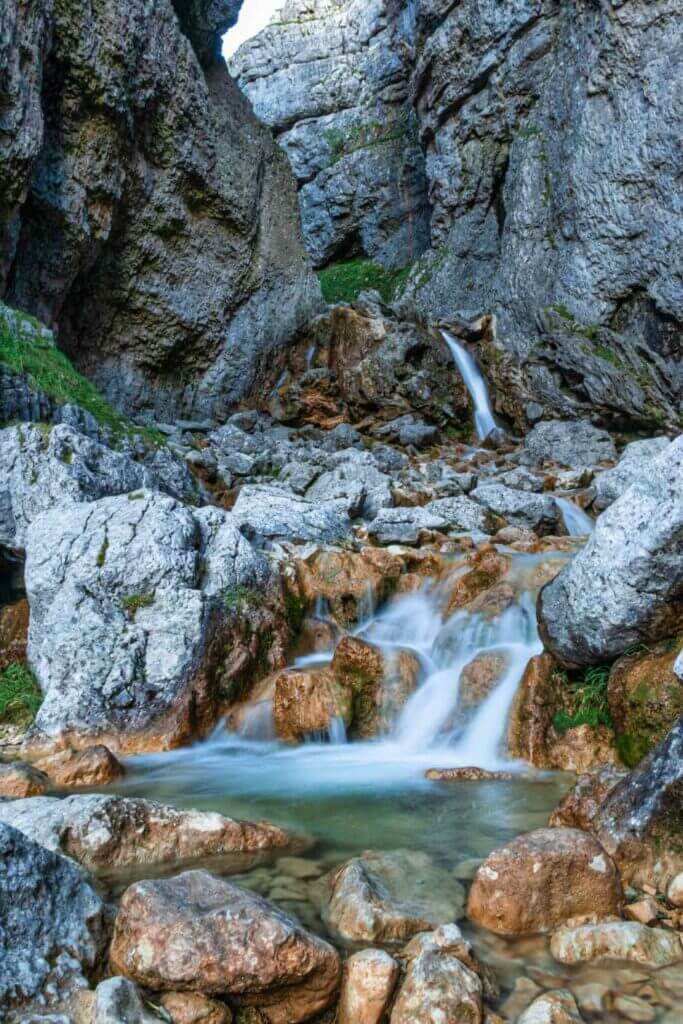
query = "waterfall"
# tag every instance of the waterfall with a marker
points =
(476, 385)
(576, 521)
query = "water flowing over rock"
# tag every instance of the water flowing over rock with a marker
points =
(331, 79)
(198, 933)
(53, 926)
(542, 879)
(626, 585)
(151, 217)
(124, 595)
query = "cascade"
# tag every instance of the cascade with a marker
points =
(475, 383)
(577, 522)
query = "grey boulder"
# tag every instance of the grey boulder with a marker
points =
(270, 513)
(462, 514)
(404, 525)
(570, 443)
(635, 461)
(123, 593)
(53, 927)
(537, 512)
(625, 586)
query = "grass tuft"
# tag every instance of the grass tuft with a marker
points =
(20, 695)
(587, 702)
(135, 602)
(241, 597)
(343, 282)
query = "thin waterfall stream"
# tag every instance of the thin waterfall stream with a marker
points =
(475, 383)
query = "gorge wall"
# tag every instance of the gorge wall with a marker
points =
(144, 211)
(542, 141)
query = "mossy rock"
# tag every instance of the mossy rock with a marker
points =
(645, 699)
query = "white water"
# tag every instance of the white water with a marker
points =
(476, 385)
(576, 521)
(423, 735)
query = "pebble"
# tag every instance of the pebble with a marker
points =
(634, 1009)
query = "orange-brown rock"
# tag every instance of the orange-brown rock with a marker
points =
(254, 717)
(347, 579)
(194, 1008)
(368, 982)
(198, 933)
(645, 699)
(20, 780)
(439, 985)
(13, 633)
(94, 766)
(487, 567)
(307, 701)
(380, 682)
(317, 635)
(492, 602)
(542, 879)
(469, 774)
(478, 679)
(582, 748)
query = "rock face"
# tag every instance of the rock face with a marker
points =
(53, 929)
(151, 218)
(626, 585)
(124, 595)
(542, 879)
(331, 78)
(110, 834)
(198, 933)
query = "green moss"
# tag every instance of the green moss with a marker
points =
(135, 602)
(102, 553)
(364, 136)
(241, 598)
(587, 702)
(25, 350)
(296, 609)
(136, 496)
(20, 696)
(343, 282)
(632, 748)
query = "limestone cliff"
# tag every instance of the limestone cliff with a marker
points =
(144, 211)
(549, 158)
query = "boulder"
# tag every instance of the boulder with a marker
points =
(117, 1001)
(19, 780)
(537, 512)
(486, 568)
(463, 515)
(263, 512)
(360, 484)
(41, 469)
(556, 1007)
(385, 898)
(616, 940)
(348, 581)
(368, 982)
(53, 925)
(574, 443)
(127, 596)
(380, 683)
(645, 699)
(438, 987)
(308, 702)
(94, 766)
(198, 933)
(542, 879)
(580, 807)
(405, 525)
(635, 462)
(193, 1008)
(108, 834)
(624, 587)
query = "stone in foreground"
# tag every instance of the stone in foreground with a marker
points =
(617, 940)
(53, 928)
(368, 983)
(197, 933)
(439, 988)
(557, 1007)
(542, 879)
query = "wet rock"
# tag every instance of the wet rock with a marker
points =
(348, 581)
(646, 910)
(580, 807)
(53, 925)
(488, 567)
(268, 513)
(380, 682)
(557, 1007)
(117, 1001)
(645, 699)
(107, 834)
(14, 620)
(368, 983)
(574, 443)
(467, 775)
(405, 525)
(542, 879)
(537, 512)
(308, 702)
(126, 598)
(633, 1008)
(94, 766)
(438, 985)
(41, 469)
(635, 462)
(22, 780)
(197, 933)
(524, 992)
(385, 898)
(478, 680)
(623, 587)
(616, 940)
(193, 1008)
(674, 892)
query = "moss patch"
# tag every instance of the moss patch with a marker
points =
(135, 602)
(343, 282)
(20, 695)
(241, 598)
